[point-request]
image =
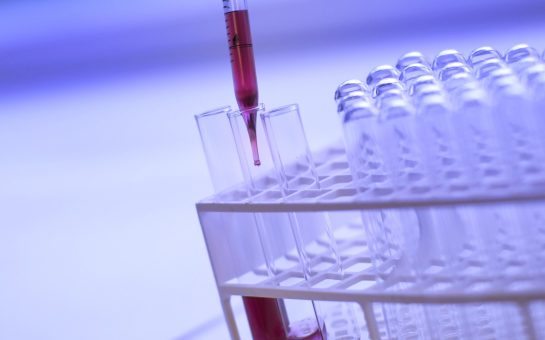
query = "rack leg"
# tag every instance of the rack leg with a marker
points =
(527, 319)
(370, 320)
(230, 318)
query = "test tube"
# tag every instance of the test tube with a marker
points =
(458, 80)
(483, 69)
(296, 171)
(420, 82)
(446, 57)
(219, 148)
(519, 52)
(386, 85)
(349, 86)
(412, 72)
(285, 177)
(289, 149)
(350, 99)
(481, 54)
(381, 72)
(387, 240)
(360, 130)
(265, 316)
(410, 58)
(402, 154)
(451, 69)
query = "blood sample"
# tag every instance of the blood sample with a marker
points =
(243, 65)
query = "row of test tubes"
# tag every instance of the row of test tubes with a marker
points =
(447, 127)
(452, 127)
(286, 168)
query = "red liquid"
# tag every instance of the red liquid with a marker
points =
(243, 67)
(305, 330)
(266, 318)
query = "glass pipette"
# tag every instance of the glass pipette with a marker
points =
(243, 65)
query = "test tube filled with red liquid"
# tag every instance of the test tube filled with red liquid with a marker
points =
(243, 65)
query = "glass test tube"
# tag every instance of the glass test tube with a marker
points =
(265, 181)
(241, 53)
(266, 316)
(219, 148)
(296, 170)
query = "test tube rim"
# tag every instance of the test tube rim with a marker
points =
(237, 113)
(220, 110)
(280, 110)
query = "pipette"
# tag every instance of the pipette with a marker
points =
(243, 65)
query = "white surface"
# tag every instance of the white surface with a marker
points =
(98, 233)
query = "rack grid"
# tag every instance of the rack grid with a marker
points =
(507, 302)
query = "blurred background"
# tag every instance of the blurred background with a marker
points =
(100, 159)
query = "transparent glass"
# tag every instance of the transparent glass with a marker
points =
(410, 58)
(256, 177)
(483, 70)
(289, 148)
(411, 72)
(288, 166)
(349, 86)
(219, 148)
(519, 52)
(452, 69)
(296, 171)
(446, 57)
(234, 5)
(386, 85)
(381, 72)
(482, 54)
(295, 167)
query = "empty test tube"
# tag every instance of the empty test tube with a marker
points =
(296, 171)
(289, 148)
(387, 238)
(410, 58)
(351, 98)
(524, 63)
(482, 54)
(381, 72)
(219, 148)
(452, 69)
(426, 91)
(420, 82)
(483, 69)
(529, 74)
(519, 52)
(348, 87)
(411, 72)
(401, 149)
(456, 81)
(360, 129)
(446, 57)
(386, 85)
(385, 97)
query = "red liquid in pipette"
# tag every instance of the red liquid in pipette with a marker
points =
(243, 67)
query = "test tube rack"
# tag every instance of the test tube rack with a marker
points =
(506, 304)
(400, 259)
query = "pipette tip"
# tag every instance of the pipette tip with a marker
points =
(257, 162)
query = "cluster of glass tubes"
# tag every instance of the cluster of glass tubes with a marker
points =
(454, 124)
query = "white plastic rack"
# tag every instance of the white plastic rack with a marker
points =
(430, 226)
(456, 298)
